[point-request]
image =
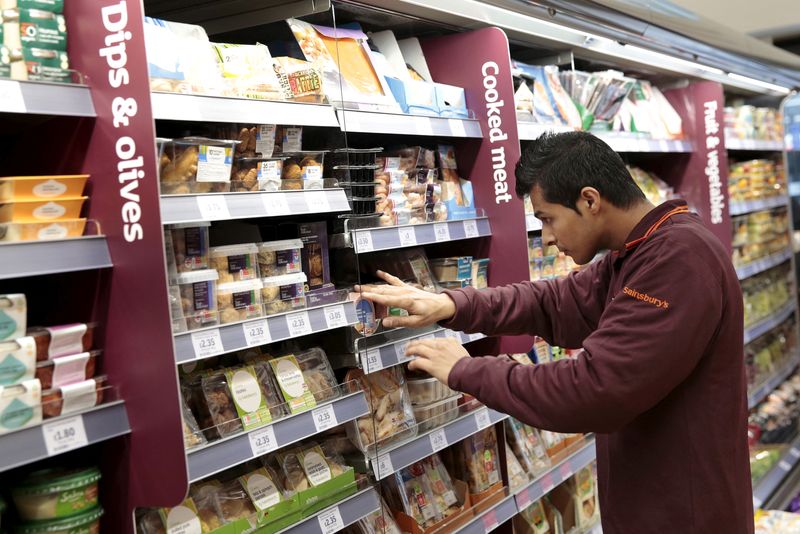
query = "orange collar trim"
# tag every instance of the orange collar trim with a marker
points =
(636, 242)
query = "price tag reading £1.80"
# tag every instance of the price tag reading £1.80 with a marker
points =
(299, 324)
(263, 440)
(207, 343)
(324, 418)
(64, 435)
(256, 333)
(330, 521)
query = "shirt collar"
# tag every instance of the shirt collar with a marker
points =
(649, 220)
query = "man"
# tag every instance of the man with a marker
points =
(661, 379)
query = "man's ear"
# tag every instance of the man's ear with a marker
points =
(590, 200)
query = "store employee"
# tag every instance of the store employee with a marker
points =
(661, 379)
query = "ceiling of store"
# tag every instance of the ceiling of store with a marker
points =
(779, 19)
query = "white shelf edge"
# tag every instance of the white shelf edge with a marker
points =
(35, 258)
(389, 237)
(762, 264)
(742, 207)
(769, 385)
(766, 324)
(360, 121)
(775, 476)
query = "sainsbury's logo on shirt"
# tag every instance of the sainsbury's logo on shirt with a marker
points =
(644, 297)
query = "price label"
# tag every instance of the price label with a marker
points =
(299, 324)
(383, 466)
(457, 128)
(428, 336)
(213, 207)
(471, 229)
(11, 100)
(442, 232)
(275, 204)
(374, 361)
(475, 337)
(523, 499)
(330, 521)
(482, 418)
(364, 242)
(207, 343)
(335, 316)
(263, 440)
(317, 201)
(794, 452)
(489, 520)
(547, 483)
(438, 440)
(785, 466)
(256, 333)
(400, 350)
(408, 238)
(64, 435)
(565, 470)
(324, 418)
(663, 145)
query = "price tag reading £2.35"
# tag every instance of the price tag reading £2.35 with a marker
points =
(335, 316)
(256, 333)
(64, 435)
(213, 207)
(324, 418)
(207, 343)
(299, 324)
(442, 232)
(263, 440)
(330, 521)
(374, 361)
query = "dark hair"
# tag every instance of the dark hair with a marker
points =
(562, 164)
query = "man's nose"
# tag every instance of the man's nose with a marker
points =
(548, 238)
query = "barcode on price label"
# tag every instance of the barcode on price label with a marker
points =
(207, 343)
(299, 324)
(471, 229)
(442, 232)
(317, 201)
(64, 435)
(335, 316)
(408, 238)
(364, 242)
(374, 362)
(263, 440)
(324, 418)
(383, 466)
(213, 207)
(438, 440)
(256, 333)
(482, 418)
(330, 521)
(275, 204)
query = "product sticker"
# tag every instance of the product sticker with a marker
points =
(201, 291)
(65, 340)
(17, 360)
(270, 170)
(69, 369)
(292, 139)
(316, 468)
(245, 299)
(50, 210)
(425, 507)
(246, 391)
(183, 520)
(293, 384)
(262, 490)
(265, 140)
(214, 163)
(53, 231)
(78, 397)
(288, 259)
(312, 172)
(291, 291)
(20, 405)
(391, 164)
(49, 189)
(241, 264)
(195, 247)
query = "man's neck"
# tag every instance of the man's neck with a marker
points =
(624, 221)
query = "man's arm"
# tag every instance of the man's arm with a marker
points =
(648, 341)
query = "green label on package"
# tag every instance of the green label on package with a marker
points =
(293, 384)
(71, 502)
(246, 392)
(53, 6)
(47, 65)
(42, 29)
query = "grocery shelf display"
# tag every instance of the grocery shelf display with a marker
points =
(243, 384)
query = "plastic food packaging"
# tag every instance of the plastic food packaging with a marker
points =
(233, 503)
(20, 405)
(410, 158)
(54, 341)
(308, 466)
(441, 485)
(427, 390)
(480, 273)
(353, 156)
(305, 165)
(315, 253)
(17, 360)
(40, 210)
(527, 446)
(248, 397)
(280, 257)
(263, 487)
(199, 298)
(452, 269)
(66, 370)
(478, 462)
(417, 496)
(74, 397)
(192, 436)
(300, 80)
(237, 301)
(88, 521)
(248, 71)
(283, 293)
(13, 315)
(292, 382)
(40, 231)
(380, 521)
(318, 374)
(436, 413)
(257, 174)
(235, 262)
(516, 474)
(190, 245)
(195, 165)
(269, 388)
(56, 493)
(391, 418)
(203, 503)
(14, 188)
(220, 405)
(289, 139)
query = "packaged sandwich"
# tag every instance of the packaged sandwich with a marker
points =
(527, 446)
(478, 461)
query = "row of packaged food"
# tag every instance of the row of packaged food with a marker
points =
(33, 41)
(751, 122)
(572, 506)
(772, 425)
(755, 179)
(765, 293)
(766, 355)
(759, 234)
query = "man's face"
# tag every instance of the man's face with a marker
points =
(575, 234)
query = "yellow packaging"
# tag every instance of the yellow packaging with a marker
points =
(14, 188)
(42, 210)
(39, 231)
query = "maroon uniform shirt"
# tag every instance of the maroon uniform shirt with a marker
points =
(661, 381)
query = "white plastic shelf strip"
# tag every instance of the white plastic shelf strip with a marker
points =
(402, 124)
(392, 237)
(773, 479)
(625, 143)
(732, 143)
(773, 382)
(532, 224)
(41, 98)
(338, 516)
(747, 206)
(760, 265)
(528, 131)
(492, 518)
(32, 258)
(770, 322)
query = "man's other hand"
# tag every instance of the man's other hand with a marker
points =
(423, 308)
(436, 356)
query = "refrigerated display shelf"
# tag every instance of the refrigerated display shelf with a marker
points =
(208, 342)
(34, 258)
(178, 107)
(773, 382)
(768, 323)
(42, 98)
(558, 473)
(62, 434)
(338, 516)
(773, 479)
(532, 223)
(492, 518)
(431, 441)
(528, 131)
(732, 143)
(217, 456)
(760, 265)
(627, 143)
(747, 206)
(356, 121)
(392, 237)
(177, 209)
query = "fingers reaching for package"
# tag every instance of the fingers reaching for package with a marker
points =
(437, 357)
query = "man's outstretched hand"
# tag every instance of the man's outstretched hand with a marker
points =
(436, 356)
(423, 308)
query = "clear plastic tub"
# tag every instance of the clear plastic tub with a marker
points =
(88, 521)
(40, 231)
(427, 390)
(257, 174)
(73, 398)
(480, 273)
(284, 293)
(56, 493)
(27, 211)
(238, 301)
(190, 244)
(199, 298)
(305, 165)
(42, 187)
(55, 341)
(195, 165)
(235, 263)
(277, 258)
(318, 374)
(437, 413)
(66, 370)
(452, 269)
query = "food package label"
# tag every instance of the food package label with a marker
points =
(50, 188)
(20, 405)
(17, 360)
(214, 163)
(183, 519)
(46, 65)
(53, 6)
(292, 383)
(316, 468)
(13, 316)
(270, 171)
(261, 489)
(246, 300)
(42, 29)
(65, 340)
(292, 140)
(79, 396)
(250, 403)
(265, 139)
(69, 369)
